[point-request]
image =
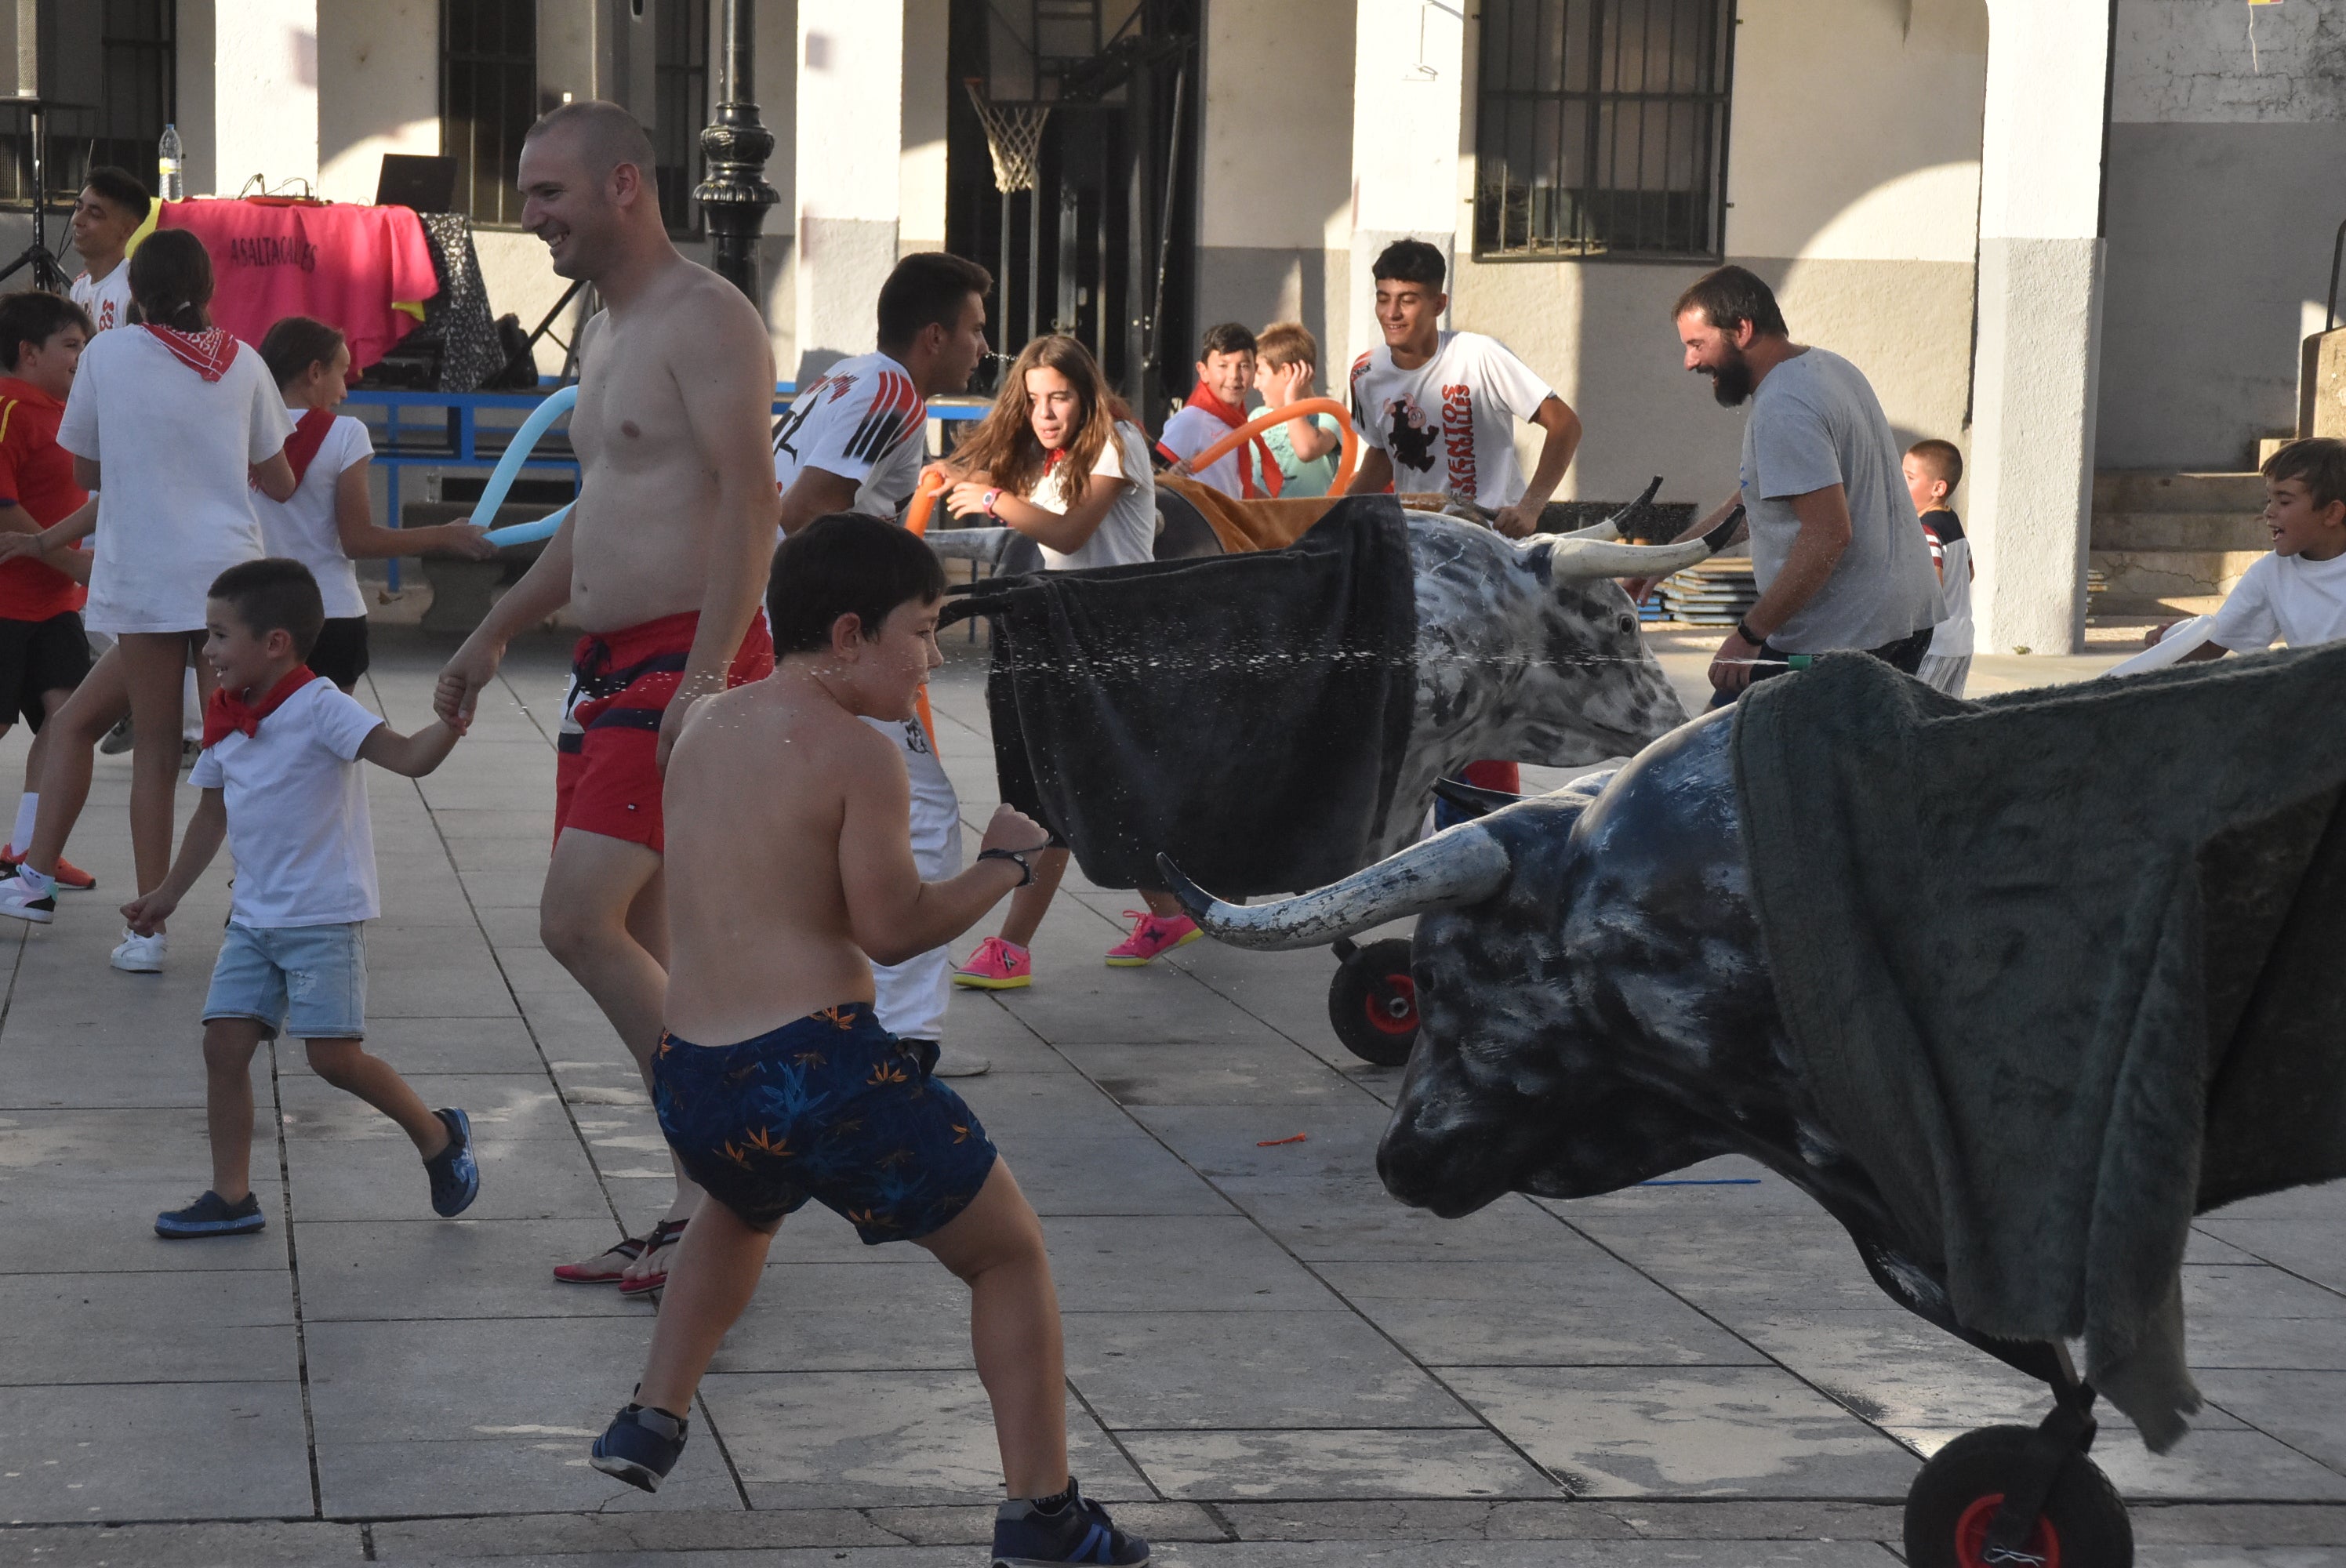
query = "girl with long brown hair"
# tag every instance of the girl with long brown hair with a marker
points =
(1061, 461)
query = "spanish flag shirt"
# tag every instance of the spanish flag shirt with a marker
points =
(36, 474)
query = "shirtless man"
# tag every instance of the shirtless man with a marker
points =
(662, 560)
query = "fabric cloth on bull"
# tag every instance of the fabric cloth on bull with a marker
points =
(2062, 969)
(1245, 714)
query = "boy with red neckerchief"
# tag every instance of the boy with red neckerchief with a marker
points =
(1217, 406)
(44, 651)
(282, 784)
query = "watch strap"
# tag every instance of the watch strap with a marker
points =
(1026, 866)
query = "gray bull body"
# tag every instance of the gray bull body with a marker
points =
(1594, 1001)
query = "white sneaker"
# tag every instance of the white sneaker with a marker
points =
(140, 954)
(27, 900)
(961, 1064)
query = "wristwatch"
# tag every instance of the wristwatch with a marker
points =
(1026, 866)
(987, 506)
(1743, 629)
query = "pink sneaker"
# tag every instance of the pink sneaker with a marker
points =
(997, 965)
(1152, 935)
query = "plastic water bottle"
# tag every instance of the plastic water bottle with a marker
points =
(167, 166)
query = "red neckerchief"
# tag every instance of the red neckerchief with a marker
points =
(208, 353)
(309, 436)
(1267, 467)
(229, 714)
(1052, 459)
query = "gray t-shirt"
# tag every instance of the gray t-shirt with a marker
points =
(1814, 422)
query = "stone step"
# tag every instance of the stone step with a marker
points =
(2142, 576)
(2136, 531)
(2119, 490)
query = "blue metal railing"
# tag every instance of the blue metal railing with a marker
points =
(457, 436)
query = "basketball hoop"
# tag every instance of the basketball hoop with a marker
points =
(1013, 136)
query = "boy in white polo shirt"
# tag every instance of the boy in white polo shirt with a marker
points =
(282, 784)
(2297, 595)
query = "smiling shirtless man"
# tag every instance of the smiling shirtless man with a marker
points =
(661, 560)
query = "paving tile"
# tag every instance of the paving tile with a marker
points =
(1236, 1369)
(1176, 1263)
(513, 1107)
(422, 1047)
(1574, 1306)
(844, 1316)
(2312, 1248)
(382, 1178)
(873, 1438)
(542, 1467)
(1686, 1431)
(176, 1326)
(88, 1184)
(1262, 1074)
(153, 1451)
(1360, 1463)
(430, 1268)
(2304, 1409)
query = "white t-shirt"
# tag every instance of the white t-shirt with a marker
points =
(2286, 598)
(1950, 552)
(107, 302)
(1815, 423)
(1237, 473)
(176, 507)
(297, 812)
(1449, 425)
(1128, 533)
(863, 422)
(303, 527)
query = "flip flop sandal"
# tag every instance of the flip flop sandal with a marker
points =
(627, 1249)
(664, 1234)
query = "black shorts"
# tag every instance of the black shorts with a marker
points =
(38, 658)
(340, 654)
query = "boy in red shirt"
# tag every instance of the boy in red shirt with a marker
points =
(43, 653)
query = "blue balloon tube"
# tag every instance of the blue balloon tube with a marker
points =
(528, 532)
(493, 495)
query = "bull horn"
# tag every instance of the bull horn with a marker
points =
(1463, 866)
(1610, 528)
(1578, 560)
(1473, 798)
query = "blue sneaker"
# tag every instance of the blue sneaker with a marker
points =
(1077, 1531)
(640, 1446)
(456, 1177)
(211, 1214)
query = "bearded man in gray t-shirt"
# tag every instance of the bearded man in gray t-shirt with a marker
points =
(1836, 549)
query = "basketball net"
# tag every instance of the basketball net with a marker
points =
(1013, 136)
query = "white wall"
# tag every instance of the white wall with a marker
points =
(379, 90)
(921, 171)
(265, 92)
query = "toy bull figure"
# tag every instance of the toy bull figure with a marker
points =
(1595, 1009)
(1526, 649)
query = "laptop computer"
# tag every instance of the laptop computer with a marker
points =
(425, 184)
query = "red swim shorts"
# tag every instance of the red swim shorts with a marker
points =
(606, 777)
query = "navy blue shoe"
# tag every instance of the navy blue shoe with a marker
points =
(1077, 1531)
(640, 1446)
(211, 1214)
(455, 1176)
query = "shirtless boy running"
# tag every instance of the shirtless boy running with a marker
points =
(661, 559)
(775, 1083)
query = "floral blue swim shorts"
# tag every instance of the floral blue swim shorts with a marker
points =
(830, 1107)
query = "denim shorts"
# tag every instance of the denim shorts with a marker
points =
(830, 1107)
(309, 981)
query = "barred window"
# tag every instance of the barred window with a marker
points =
(1601, 128)
(679, 108)
(488, 98)
(137, 47)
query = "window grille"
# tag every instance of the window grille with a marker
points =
(679, 108)
(1601, 128)
(137, 47)
(488, 98)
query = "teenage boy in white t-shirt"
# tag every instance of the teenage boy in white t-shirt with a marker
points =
(1437, 410)
(853, 441)
(111, 209)
(280, 773)
(2297, 595)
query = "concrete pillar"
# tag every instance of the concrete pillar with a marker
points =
(264, 92)
(1408, 77)
(849, 148)
(2040, 306)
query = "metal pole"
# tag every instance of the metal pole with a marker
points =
(734, 197)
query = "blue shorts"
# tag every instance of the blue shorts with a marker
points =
(309, 981)
(830, 1107)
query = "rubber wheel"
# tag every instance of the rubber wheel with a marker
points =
(1372, 1003)
(1955, 1500)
